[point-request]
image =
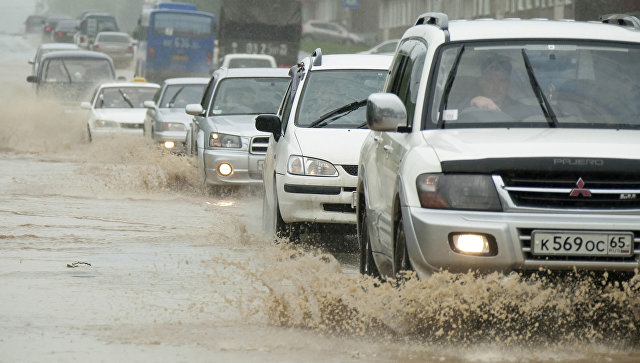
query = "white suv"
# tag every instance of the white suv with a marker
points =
(312, 160)
(504, 145)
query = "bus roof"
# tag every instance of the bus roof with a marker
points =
(176, 6)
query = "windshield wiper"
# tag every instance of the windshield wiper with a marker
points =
(125, 97)
(338, 112)
(447, 87)
(173, 99)
(64, 65)
(542, 99)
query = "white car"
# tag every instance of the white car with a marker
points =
(166, 121)
(504, 145)
(310, 170)
(245, 60)
(118, 108)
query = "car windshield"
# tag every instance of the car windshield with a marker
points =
(77, 70)
(542, 84)
(124, 97)
(113, 38)
(249, 63)
(236, 96)
(180, 95)
(327, 91)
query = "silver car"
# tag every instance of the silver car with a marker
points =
(166, 122)
(230, 150)
(119, 46)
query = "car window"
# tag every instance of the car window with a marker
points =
(525, 84)
(408, 74)
(73, 70)
(208, 94)
(124, 97)
(180, 95)
(113, 38)
(328, 90)
(249, 63)
(237, 96)
(287, 104)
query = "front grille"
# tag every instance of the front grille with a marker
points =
(259, 145)
(544, 190)
(338, 207)
(131, 126)
(524, 235)
(351, 169)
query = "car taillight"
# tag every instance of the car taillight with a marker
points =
(96, 47)
(152, 52)
(130, 49)
(47, 29)
(59, 34)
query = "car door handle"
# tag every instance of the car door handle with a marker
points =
(387, 148)
(377, 138)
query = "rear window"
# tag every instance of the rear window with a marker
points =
(113, 38)
(249, 63)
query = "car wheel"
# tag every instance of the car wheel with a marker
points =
(400, 254)
(283, 229)
(367, 263)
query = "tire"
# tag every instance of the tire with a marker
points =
(283, 229)
(367, 263)
(89, 139)
(401, 261)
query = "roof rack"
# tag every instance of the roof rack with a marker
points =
(440, 20)
(621, 19)
(317, 55)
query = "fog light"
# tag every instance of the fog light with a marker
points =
(473, 244)
(225, 169)
(169, 144)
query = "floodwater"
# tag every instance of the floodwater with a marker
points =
(112, 251)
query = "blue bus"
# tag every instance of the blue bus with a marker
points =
(179, 42)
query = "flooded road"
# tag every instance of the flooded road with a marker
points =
(112, 251)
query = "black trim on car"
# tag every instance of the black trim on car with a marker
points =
(312, 189)
(542, 164)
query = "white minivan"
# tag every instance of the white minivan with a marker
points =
(310, 170)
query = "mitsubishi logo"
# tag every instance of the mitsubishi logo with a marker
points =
(580, 190)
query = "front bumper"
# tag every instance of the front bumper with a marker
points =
(427, 232)
(102, 133)
(247, 168)
(317, 199)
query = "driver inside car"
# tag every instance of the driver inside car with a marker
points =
(494, 85)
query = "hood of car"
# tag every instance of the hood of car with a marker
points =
(241, 125)
(175, 115)
(476, 144)
(128, 115)
(338, 146)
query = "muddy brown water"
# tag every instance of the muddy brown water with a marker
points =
(178, 273)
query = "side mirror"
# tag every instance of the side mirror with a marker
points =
(385, 112)
(149, 104)
(31, 62)
(122, 78)
(194, 109)
(32, 79)
(269, 123)
(85, 105)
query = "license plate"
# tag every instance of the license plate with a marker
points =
(582, 243)
(180, 58)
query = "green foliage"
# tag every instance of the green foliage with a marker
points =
(330, 48)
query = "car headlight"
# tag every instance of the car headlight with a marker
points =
(173, 126)
(458, 191)
(225, 140)
(105, 123)
(300, 165)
